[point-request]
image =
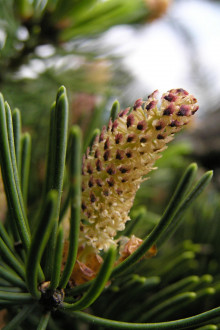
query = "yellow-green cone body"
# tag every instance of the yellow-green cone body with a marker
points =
(123, 153)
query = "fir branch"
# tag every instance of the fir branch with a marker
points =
(25, 164)
(16, 117)
(39, 240)
(75, 200)
(185, 323)
(55, 278)
(55, 165)
(11, 277)
(11, 184)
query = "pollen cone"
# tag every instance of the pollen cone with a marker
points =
(121, 157)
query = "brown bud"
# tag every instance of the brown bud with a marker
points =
(130, 120)
(138, 104)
